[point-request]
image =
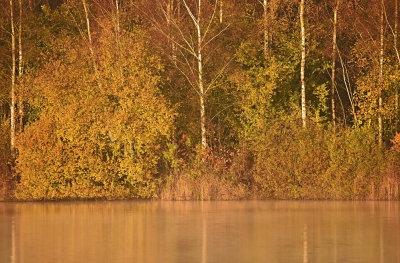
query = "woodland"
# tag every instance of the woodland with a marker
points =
(199, 99)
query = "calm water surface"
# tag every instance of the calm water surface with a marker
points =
(145, 231)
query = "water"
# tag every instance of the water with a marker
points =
(253, 231)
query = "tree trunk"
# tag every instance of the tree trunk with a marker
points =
(380, 102)
(92, 54)
(221, 11)
(266, 29)
(117, 18)
(13, 69)
(20, 70)
(201, 84)
(170, 17)
(334, 61)
(303, 64)
(396, 23)
(117, 35)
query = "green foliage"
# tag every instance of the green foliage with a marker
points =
(256, 84)
(321, 94)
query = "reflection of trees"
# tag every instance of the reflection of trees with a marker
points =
(198, 232)
(13, 247)
(305, 245)
(7, 232)
(204, 236)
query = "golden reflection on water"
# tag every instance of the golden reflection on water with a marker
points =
(144, 231)
(204, 236)
(305, 245)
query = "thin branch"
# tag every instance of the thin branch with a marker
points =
(218, 75)
(347, 86)
(210, 22)
(217, 35)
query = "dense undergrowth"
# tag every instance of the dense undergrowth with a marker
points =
(285, 163)
(290, 163)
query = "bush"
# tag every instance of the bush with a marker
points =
(322, 163)
(290, 162)
(206, 175)
(95, 138)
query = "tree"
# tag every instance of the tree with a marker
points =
(303, 64)
(266, 29)
(20, 68)
(192, 35)
(199, 56)
(90, 40)
(13, 70)
(395, 38)
(269, 8)
(335, 14)
(221, 11)
(381, 57)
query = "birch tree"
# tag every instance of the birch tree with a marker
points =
(303, 64)
(396, 25)
(190, 43)
(199, 56)
(269, 7)
(90, 42)
(221, 11)
(266, 27)
(20, 68)
(335, 14)
(12, 94)
(380, 101)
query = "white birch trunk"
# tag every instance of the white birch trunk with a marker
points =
(12, 94)
(198, 53)
(334, 61)
(266, 29)
(117, 18)
(20, 69)
(380, 102)
(92, 54)
(200, 76)
(117, 36)
(303, 64)
(221, 11)
(396, 26)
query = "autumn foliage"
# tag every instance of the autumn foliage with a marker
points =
(91, 140)
(158, 99)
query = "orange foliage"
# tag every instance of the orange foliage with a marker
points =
(396, 143)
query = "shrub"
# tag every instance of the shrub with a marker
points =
(95, 138)
(321, 163)
(206, 175)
